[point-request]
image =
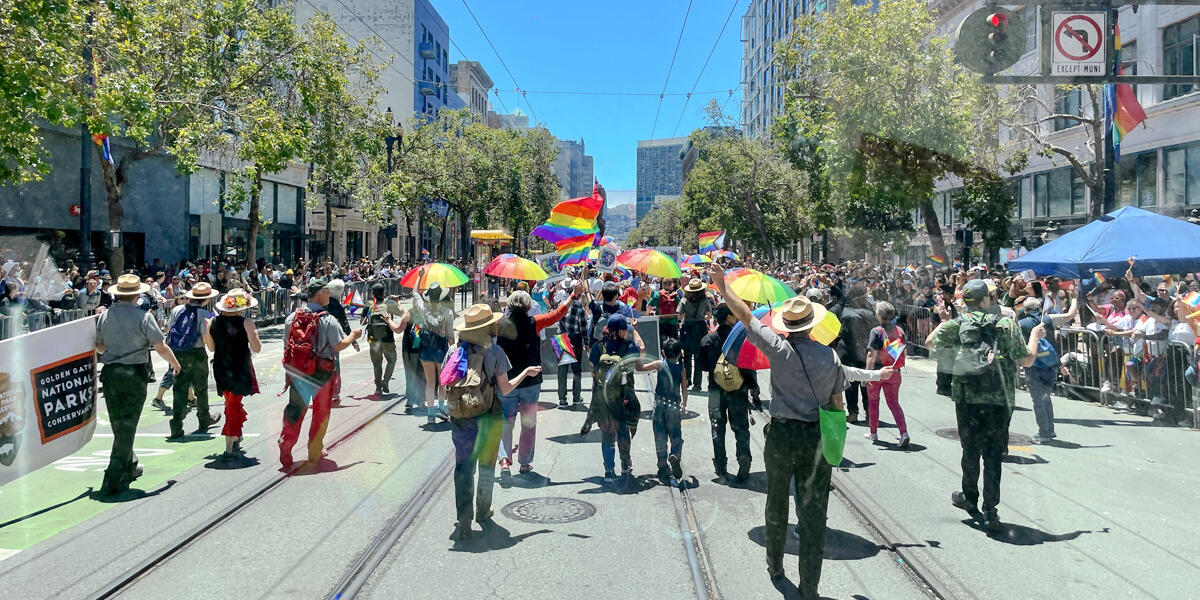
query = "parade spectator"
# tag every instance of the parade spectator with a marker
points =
(857, 318)
(670, 402)
(615, 408)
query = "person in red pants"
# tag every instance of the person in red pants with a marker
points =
(312, 340)
(886, 348)
(232, 338)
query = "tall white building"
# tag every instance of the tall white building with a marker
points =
(765, 23)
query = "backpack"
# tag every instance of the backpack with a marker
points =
(471, 395)
(300, 347)
(377, 328)
(974, 364)
(668, 303)
(728, 376)
(185, 330)
(1047, 356)
(610, 370)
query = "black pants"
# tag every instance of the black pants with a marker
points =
(476, 445)
(668, 330)
(575, 370)
(124, 396)
(793, 452)
(691, 364)
(983, 433)
(732, 408)
(193, 375)
(856, 390)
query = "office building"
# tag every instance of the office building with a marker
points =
(766, 23)
(574, 169)
(659, 171)
(472, 84)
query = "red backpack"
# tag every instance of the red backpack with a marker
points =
(886, 359)
(667, 302)
(300, 347)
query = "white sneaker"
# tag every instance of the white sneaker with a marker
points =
(871, 436)
(1106, 387)
(904, 440)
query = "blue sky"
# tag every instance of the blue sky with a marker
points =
(623, 46)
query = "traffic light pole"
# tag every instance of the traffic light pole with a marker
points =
(1110, 162)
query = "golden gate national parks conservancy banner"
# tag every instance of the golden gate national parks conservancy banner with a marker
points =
(47, 396)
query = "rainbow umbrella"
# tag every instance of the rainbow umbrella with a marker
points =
(757, 287)
(445, 275)
(696, 259)
(608, 239)
(731, 255)
(511, 266)
(650, 262)
(738, 350)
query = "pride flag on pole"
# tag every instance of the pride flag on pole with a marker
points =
(1192, 299)
(571, 219)
(572, 251)
(1122, 111)
(894, 349)
(937, 260)
(563, 349)
(711, 241)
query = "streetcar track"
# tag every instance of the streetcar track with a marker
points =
(703, 575)
(146, 566)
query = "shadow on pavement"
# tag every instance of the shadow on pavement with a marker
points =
(438, 426)
(529, 481)
(1020, 535)
(848, 464)
(646, 415)
(1024, 460)
(325, 465)
(620, 485)
(241, 462)
(839, 545)
(493, 537)
(1104, 422)
(86, 493)
(189, 438)
(344, 405)
(756, 482)
(131, 494)
(593, 437)
(895, 447)
(1056, 443)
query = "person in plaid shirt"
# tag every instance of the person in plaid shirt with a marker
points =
(574, 324)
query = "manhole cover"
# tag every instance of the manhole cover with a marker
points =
(549, 510)
(1014, 439)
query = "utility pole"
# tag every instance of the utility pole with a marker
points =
(85, 166)
(1110, 161)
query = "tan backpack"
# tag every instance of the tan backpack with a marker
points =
(473, 394)
(728, 376)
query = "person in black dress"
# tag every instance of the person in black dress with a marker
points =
(232, 337)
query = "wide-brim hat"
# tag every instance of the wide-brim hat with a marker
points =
(233, 301)
(201, 291)
(128, 285)
(797, 314)
(434, 292)
(694, 285)
(476, 317)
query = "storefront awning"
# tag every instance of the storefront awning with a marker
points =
(491, 235)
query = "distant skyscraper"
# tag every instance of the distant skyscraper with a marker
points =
(472, 84)
(573, 168)
(659, 171)
(765, 23)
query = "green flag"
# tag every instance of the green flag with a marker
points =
(833, 435)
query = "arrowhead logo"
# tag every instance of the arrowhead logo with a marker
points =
(12, 419)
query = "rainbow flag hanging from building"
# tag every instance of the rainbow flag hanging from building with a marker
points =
(563, 349)
(1122, 111)
(105, 146)
(574, 250)
(571, 219)
(711, 241)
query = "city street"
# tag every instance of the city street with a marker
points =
(302, 536)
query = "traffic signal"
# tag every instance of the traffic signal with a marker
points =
(990, 40)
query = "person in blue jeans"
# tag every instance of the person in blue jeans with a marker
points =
(670, 400)
(615, 408)
(1041, 377)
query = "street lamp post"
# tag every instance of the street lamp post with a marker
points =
(397, 140)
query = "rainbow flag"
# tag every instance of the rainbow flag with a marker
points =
(105, 146)
(1192, 299)
(1100, 279)
(563, 350)
(572, 251)
(570, 219)
(424, 253)
(711, 241)
(937, 261)
(894, 349)
(1122, 111)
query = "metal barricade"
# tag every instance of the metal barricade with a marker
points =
(1081, 351)
(11, 327)
(917, 322)
(1175, 390)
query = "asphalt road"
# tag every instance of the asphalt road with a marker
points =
(1103, 513)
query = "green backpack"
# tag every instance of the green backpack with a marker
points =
(975, 366)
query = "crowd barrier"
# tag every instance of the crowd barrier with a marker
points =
(917, 322)
(273, 307)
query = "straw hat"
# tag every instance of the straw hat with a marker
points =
(797, 314)
(128, 285)
(200, 291)
(477, 316)
(695, 285)
(236, 301)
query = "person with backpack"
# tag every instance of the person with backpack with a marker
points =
(670, 402)
(1042, 375)
(124, 337)
(519, 338)
(615, 407)
(885, 340)
(480, 371)
(805, 378)
(728, 397)
(694, 311)
(312, 339)
(233, 338)
(609, 305)
(666, 305)
(187, 326)
(381, 335)
(986, 349)
(433, 311)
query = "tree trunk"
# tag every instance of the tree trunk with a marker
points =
(934, 229)
(464, 223)
(113, 190)
(409, 223)
(441, 247)
(255, 207)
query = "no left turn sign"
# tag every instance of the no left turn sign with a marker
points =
(1078, 43)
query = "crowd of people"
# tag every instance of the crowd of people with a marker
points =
(990, 331)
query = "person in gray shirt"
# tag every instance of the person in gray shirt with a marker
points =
(805, 377)
(124, 336)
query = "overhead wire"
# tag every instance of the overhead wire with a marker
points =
(704, 66)
(494, 91)
(669, 68)
(501, 59)
(356, 40)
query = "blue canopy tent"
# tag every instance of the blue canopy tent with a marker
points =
(1160, 244)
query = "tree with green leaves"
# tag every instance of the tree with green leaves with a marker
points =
(746, 187)
(889, 109)
(665, 225)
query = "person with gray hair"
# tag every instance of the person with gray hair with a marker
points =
(886, 346)
(519, 338)
(337, 290)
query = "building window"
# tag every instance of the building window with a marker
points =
(289, 200)
(1179, 54)
(1137, 178)
(1041, 195)
(1078, 194)
(1066, 102)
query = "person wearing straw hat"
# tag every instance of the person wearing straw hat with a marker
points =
(187, 326)
(805, 376)
(695, 309)
(124, 336)
(477, 439)
(232, 338)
